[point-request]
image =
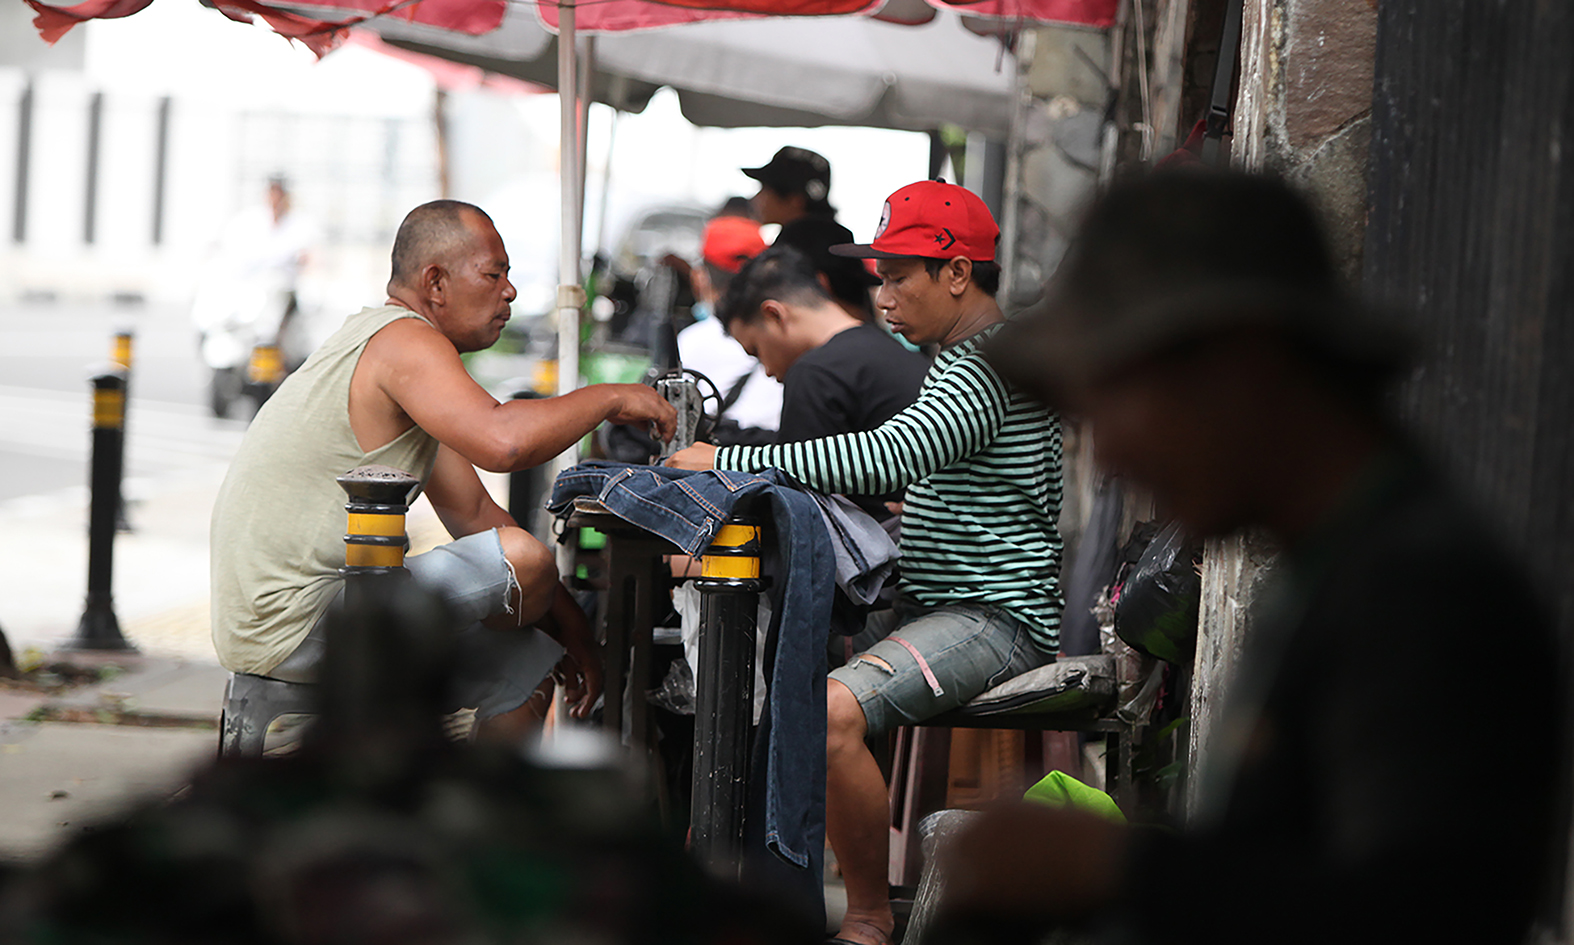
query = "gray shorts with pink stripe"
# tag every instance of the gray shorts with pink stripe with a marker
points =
(929, 660)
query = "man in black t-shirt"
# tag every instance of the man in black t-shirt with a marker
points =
(838, 374)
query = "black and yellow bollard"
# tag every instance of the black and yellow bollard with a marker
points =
(120, 352)
(378, 686)
(374, 540)
(264, 371)
(353, 684)
(99, 629)
(729, 586)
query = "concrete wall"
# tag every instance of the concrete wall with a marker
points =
(1305, 105)
(1056, 159)
(1303, 110)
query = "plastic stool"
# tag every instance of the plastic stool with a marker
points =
(251, 704)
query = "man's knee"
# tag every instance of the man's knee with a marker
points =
(844, 717)
(532, 561)
(534, 568)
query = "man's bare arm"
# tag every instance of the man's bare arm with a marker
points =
(418, 370)
(460, 500)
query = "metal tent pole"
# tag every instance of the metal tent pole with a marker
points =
(570, 294)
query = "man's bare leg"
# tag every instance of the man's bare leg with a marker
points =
(536, 571)
(512, 728)
(544, 603)
(857, 819)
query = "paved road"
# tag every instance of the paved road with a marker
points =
(47, 354)
(176, 455)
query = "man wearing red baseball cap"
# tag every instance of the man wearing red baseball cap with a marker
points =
(979, 599)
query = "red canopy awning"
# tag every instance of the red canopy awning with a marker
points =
(616, 16)
(1099, 13)
(325, 31)
(318, 35)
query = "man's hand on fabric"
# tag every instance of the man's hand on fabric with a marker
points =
(638, 404)
(699, 457)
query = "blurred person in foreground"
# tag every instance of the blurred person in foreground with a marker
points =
(795, 187)
(751, 401)
(979, 600)
(389, 388)
(1198, 327)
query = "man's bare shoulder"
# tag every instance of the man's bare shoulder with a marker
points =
(408, 344)
(413, 330)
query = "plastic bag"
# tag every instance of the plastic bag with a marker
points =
(1157, 612)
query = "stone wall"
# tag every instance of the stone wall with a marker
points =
(1304, 108)
(1056, 151)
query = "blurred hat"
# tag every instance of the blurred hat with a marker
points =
(729, 242)
(1176, 256)
(933, 219)
(795, 171)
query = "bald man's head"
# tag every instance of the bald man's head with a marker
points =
(432, 232)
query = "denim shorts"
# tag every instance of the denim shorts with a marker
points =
(936, 659)
(496, 670)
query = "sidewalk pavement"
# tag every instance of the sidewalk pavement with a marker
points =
(73, 757)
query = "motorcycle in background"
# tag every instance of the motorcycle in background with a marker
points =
(241, 325)
(246, 306)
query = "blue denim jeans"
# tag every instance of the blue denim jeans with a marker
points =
(687, 508)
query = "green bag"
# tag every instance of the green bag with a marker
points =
(1060, 789)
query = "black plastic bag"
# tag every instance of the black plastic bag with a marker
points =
(1157, 611)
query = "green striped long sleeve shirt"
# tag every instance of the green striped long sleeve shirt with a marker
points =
(982, 467)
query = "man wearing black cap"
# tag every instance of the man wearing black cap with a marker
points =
(979, 600)
(795, 189)
(1199, 328)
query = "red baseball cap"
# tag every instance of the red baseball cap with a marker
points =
(932, 219)
(731, 241)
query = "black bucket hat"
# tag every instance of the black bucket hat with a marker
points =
(1179, 255)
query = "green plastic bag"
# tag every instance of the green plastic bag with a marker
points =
(1062, 790)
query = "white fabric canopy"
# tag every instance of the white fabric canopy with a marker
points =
(775, 72)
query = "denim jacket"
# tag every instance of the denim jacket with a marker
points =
(687, 508)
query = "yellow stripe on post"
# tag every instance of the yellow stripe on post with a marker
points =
(266, 365)
(735, 536)
(109, 408)
(380, 524)
(732, 567)
(121, 352)
(373, 556)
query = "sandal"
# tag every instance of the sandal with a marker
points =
(884, 936)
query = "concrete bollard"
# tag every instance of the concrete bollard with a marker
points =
(99, 628)
(729, 586)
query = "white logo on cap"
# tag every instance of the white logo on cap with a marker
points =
(815, 189)
(885, 220)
